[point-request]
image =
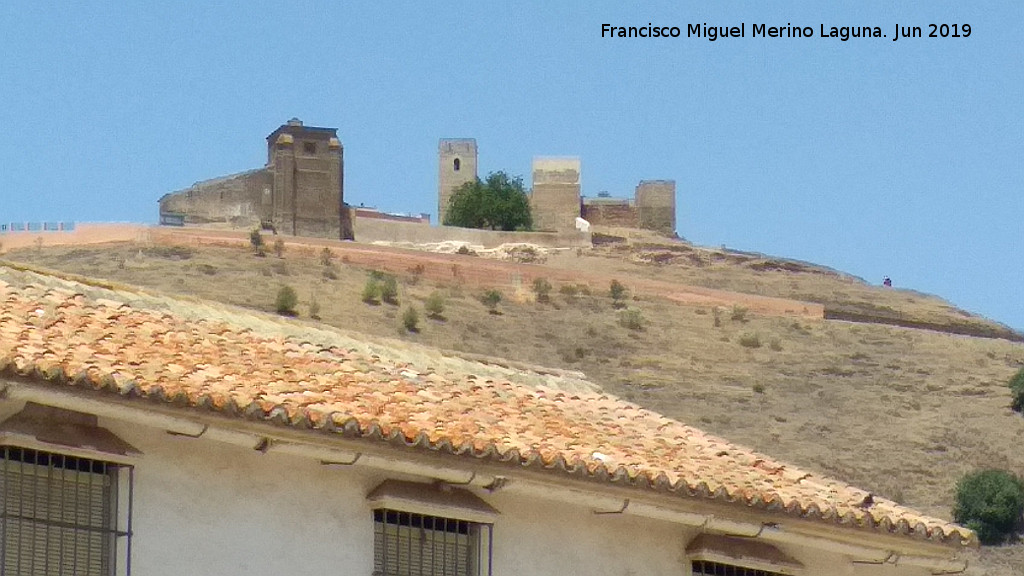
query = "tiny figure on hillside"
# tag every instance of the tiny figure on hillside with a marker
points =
(887, 282)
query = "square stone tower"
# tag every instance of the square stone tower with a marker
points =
(555, 200)
(307, 163)
(456, 166)
(656, 205)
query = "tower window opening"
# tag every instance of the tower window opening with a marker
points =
(309, 147)
(457, 164)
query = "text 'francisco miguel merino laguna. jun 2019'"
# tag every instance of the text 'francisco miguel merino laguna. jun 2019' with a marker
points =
(750, 30)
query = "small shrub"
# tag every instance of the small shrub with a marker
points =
(465, 251)
(279, 248)
(256, 240)
(169, 252)
(314, 308)
(758, 388)
(207, 269)
(389, 290)
(1017, 389)
(775, 345)
(330, 273)
(417, 272)
(371, 292)
(750, 340)
(990, 502)
(542, 288)
(491, 299)
(570, 291)
(632, 319)
(618, 293)
(326, 256)
(717, 313)
(434, 306)
(738, 314)
(411, 319)
(286, 301)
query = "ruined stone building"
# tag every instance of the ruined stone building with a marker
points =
(556, 200)
(300, 191)
(653, 207)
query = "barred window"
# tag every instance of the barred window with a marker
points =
(408, 544)
(705, 568)
(63, 515)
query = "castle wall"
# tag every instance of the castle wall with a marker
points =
(241, 199)
(368, 230)
(555, 200)
(457, 165)
(656, 205)
(621, 214)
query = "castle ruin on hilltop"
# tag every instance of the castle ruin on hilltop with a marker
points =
(300, 192)
(555, 198)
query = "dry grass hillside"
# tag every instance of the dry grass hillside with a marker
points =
(900, 411)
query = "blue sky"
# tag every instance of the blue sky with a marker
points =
(871, 156)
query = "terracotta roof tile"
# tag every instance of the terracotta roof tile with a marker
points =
(60, 331)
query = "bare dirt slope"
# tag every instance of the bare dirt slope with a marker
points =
(902, 412)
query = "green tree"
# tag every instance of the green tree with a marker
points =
(1017, 389)
(389, 289)
(256, 240)
(990, 502)
(497, 203)
(371, 291)
(435, 306)
(618, 293)
(286, 301)
(491, 298)
(411, 319)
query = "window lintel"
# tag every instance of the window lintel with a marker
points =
(436, 499)
(52, 429)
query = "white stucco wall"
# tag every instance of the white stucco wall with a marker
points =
(203, 507)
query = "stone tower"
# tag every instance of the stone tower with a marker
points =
(555, 200)
(656, 205)
(457, 165)
(307, 163)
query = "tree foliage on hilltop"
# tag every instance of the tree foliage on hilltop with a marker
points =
(497, 203)
(990, 502)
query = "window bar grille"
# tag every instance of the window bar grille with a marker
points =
(707, 568)
(409, 544)
(60, 515)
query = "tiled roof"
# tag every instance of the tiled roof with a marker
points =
(76, 335)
